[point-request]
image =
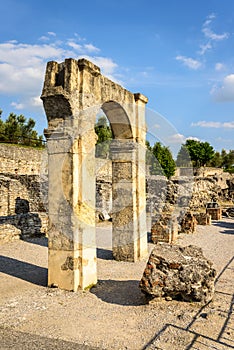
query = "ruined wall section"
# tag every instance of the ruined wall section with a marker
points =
(20, 160)
(20, 180)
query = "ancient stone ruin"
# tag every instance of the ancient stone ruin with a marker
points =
(214, 210)
(73, 93)
(175, 272)
(164, 229)
(188, 223)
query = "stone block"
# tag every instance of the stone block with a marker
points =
(164, 229)
(176, 272)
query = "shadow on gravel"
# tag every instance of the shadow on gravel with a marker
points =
(23, 270)
(42, 241)
(11, 339)
(126, 293)
(228, 226)
(104, 254)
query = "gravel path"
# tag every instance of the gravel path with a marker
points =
(113, 315)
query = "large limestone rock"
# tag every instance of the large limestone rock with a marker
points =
(175, 272)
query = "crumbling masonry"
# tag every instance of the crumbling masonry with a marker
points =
(73, 93)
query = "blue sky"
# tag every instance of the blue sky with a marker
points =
(180, 54)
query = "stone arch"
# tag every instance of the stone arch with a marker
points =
(119, 121)
(73, 92)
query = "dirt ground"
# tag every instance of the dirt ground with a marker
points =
(114, 314)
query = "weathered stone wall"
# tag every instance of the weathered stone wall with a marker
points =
(26, 183)
(26, 187)
(20, 160)
(103, 185)
(21, 181)
(208, 171)
(22, 226)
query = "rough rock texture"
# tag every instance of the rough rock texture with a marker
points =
(175, 272)
(25, 188)
(22, 225)
(215, 213)
(164, 229)
(20, 160)
(188, 223)
(188, 192)
(203, 218)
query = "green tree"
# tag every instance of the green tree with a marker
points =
(163, 162)
(183, 157)
(228, 160)
(19, 130)
(104, 134)
(200, 152)
(216, 161)
(2, 128)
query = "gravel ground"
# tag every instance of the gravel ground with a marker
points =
(114, 314)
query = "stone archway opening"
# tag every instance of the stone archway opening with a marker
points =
(113, 121)
(72, 93)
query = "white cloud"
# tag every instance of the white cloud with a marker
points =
(211, 124)
(107, 65)
(52, 33)
(225, 91)
(17, 106)
(75, 46)
(83, 49)
(204, 48)
(193, 138)
(36, 101)
(22, 65)
(219, 66)
(189, 62)
(177, 139)
(209, 34)
(91, 48)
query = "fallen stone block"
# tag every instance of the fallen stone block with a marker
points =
(164, 229)
(188, 223)
(203, 218)
(176, 272)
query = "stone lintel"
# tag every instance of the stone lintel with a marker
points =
(122, 147)
(138, 96)
(91, 67)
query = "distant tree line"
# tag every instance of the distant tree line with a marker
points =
(196, 153)
(17, 129)
(159, 159)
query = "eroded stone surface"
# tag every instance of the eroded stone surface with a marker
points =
(188, 223)
(164, 229)
(73, 93)
(179, 273)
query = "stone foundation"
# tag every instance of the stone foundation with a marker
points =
(188, 223)
(203, 218)
(22, 226)
(164, 229)
(215, 213)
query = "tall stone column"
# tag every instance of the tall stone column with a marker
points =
(140, 103)
(72, 242)
(129, 242)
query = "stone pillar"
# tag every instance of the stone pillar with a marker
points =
(72, 243)
(129, 243)
(140, 103)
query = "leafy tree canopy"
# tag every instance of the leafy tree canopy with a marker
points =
(104, 133)
(160, 160)
(18, 130)
(200, 153)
